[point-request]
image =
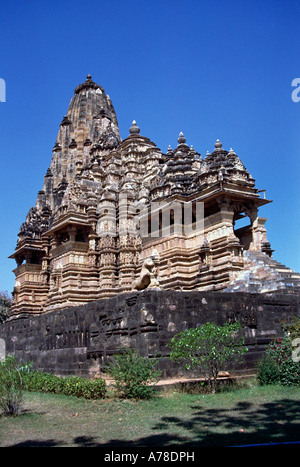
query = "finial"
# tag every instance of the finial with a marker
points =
(181, 139)
(88, 77)
(232, 152)
(169, 148)
(134, 129)
(218, 144)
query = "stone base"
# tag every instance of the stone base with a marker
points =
(79, 340)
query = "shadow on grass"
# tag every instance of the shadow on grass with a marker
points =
(244, 424)
(35, 443)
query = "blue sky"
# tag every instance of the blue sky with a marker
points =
(212, 69)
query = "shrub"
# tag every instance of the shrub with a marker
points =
(133, 375)
(39, 381)
(278, 365)
(280, 349)
(290, 373)
(11, 391)
(209, 349)
(293, 328)
(82, 387)
(268, 371)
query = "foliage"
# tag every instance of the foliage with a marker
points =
(293, 328)
(5, 304)
(268, 371)
(82, 387)
(280, 349)
(133, 375)
(279, 356)
(11, 390)
(39, 381)
(209, 349)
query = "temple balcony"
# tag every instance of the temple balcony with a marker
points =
(28, 268)
(70, 246)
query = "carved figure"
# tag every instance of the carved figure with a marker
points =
(148, 276)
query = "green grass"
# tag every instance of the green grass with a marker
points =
(254, 414)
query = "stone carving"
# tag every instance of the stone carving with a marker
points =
(131, 301)
(67, 343)
(148, 276)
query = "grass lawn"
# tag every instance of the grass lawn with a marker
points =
(250, 415)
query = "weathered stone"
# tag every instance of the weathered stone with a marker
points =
(79, 340)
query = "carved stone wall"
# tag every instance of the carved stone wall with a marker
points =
(78, 340)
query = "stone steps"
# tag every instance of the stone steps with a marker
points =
(289, 277)
(262, 273)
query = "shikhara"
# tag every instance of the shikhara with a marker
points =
(108, 207)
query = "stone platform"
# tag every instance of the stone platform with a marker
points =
(78, 340)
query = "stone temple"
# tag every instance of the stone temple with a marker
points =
(83, 240)
(127, 246)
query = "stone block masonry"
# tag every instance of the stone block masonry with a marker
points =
(79, 340)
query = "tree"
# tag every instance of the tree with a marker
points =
(209, 349)
(5, 304)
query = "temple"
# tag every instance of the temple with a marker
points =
(109, 218)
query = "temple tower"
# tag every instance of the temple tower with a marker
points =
(109, 209)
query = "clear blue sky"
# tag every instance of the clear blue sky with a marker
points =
(219, 69)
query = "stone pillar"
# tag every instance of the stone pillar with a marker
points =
(107, 233)
(107, 266)
(259, 234)
(127, 253)
(224, 221)
(72, 233)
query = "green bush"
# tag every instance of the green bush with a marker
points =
(39, 381)
(268, 371)
(11, 390)
(277, 365)
(82, 387)
(290, 373)
(133, 375)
